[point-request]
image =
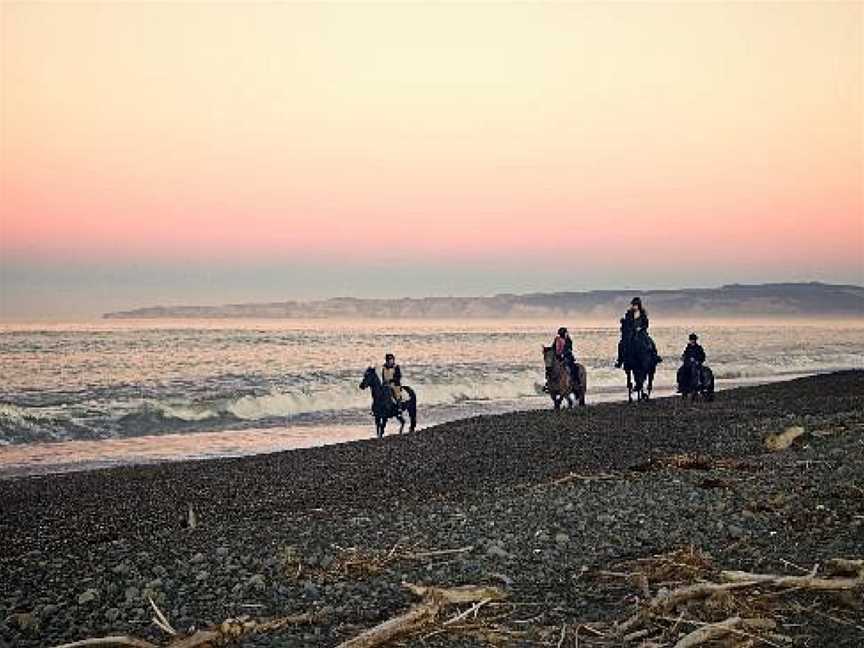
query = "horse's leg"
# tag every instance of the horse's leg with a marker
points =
(412, 413)
(583, 385)
(379, 426)
(401, 420)
(629, 386)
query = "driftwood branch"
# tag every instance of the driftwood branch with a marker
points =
(668, 601)
(228, 630)
(424, 614)
(809, 582)
(116, 642)
(732, 625)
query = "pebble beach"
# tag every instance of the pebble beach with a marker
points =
(556, 510)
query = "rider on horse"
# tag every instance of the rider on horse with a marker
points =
(634, 322)
(693, 359)
(563, 345)
(391, 375)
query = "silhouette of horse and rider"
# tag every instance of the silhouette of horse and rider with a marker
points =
(695, 378)
(390, 398)
(566, 379)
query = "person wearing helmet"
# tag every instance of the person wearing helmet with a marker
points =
(693, 358)
(391, 375)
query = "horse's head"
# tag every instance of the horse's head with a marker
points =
(548, 356)
(369, 378)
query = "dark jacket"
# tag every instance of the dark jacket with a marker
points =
(397, 375)
(629, 324)
(694, 352)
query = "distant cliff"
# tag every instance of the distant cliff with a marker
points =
(736, 300)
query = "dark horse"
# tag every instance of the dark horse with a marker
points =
(383, 406)
(695, 380)
(640, 363)
(559, 382)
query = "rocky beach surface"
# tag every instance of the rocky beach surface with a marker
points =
(577, 523)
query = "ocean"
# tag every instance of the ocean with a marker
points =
(84, 395)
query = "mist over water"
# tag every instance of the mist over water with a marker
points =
(92, 394)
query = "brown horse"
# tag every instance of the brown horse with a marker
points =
(559, 383)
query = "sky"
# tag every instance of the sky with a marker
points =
(207, 153)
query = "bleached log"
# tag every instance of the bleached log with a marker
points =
(415, 618)
(434, 600)
(731, 625)
(117, 642)
(809, 582)
(464, 594)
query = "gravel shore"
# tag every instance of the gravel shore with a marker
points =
(549, 506)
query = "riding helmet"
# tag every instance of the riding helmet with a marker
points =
(636, 301)
(388, 356)
(694, 337)
(562, 331)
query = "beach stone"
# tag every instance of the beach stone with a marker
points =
(88, 596)
(197, 558)
(735, 532)
(310, 591)
(202, 576)
(154, 584)
(49, 610)
(122, 569)
(112, 614)
(160, 571)
(257, 583)
(132, 594)
(562, 539)
(495, 551)
(222, 551)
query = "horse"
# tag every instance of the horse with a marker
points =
(695, 381)
(383, 406)
(560, 383)
(640, 364)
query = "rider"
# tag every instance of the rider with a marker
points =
(693, 354)
(563, 345)
(391, 375)
(635, 320)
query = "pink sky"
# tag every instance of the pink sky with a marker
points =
(159, 133)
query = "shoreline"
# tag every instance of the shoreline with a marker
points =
(82, 551)
(85, 455)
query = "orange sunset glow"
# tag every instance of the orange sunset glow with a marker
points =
(227, 136)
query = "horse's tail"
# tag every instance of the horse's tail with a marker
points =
(411, 406)
(583, 383)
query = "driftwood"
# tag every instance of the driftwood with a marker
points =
(809, 582)
(732, 625)
(668, 601)
(228, 630)
(843, 575)
(114, 642)
(435, 599)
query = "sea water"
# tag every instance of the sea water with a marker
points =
(91, 394)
